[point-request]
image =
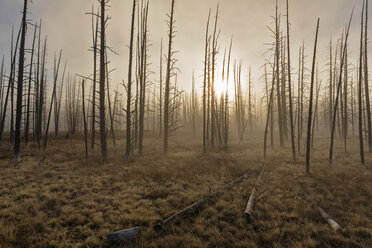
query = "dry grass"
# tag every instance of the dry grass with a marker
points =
(61, 202)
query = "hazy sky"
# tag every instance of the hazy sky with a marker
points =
(69, 28)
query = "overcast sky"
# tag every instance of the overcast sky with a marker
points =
(69, 28)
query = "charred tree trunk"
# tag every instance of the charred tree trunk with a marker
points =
(102, 75)
(27, 124)
(366, 84)
(308, 139)
(167, 81)
(337, 94)
(51, 102)
(360, 110)
(290, 92)
(205, 112)
(85, 123)
(129, 88)
(17, 137)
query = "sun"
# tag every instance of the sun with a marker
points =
(221, 87)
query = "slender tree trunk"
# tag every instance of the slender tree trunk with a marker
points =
(205, 113)
(167, 82)
(161, 90)
(361, 145)
(290, 92)
(102, 82)
(51, 102)
(95, 48)
(85, 123)
(277, 51)
(17, 137)
(366, 84)
(129, 87)
(269, 108)
(227, 97)
(27, 127)
(214, 53)
(308, 139)
(337, 94)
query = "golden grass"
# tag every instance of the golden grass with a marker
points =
(61, 202)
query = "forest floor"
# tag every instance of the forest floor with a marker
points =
(59, 201)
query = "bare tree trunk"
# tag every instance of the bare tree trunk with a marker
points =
(227, 97)
(366, 85)
(129, 87)
(27, 126)
(161, 90)
(17, 137)
(361, 145)
(330, 83)
(11, 80)
(85, 123)
(214, 53)
(345, 114)
(337, 94)
(277, 51)
(51, 102)
(206, 64)
(193, 99)
(290, 92)
(269, 108)
(143, 79)
(102, 76)
(95, 48)
(167, 82)
(308, 139)
(109, 105)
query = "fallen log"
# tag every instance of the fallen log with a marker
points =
(333, 224)
(196, 205)
(249, 208)
(128, 234)
(132, 233)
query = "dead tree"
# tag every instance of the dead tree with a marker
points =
(205, 113)
(129, 87)
(290, 91)
(143, 76)
(214, 54)
(102, 76)
(308, 139)
(161, 89)
(227, 97)
(269, 107)
(84, 122)
(41, 93)
(366, 84)
(17, 137)
(27, 123)
(345, 112)
(51, 101)
(111, 115)
(57, 103)
(13, 55)
(94, 94)
(277, 51)
(338, 92)
(360, 111)
(193, 104)
(169, 73)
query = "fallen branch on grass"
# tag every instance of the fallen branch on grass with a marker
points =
(197, 205)
(253, 196)
(132, 233)
(335, 226)
(128, 234)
